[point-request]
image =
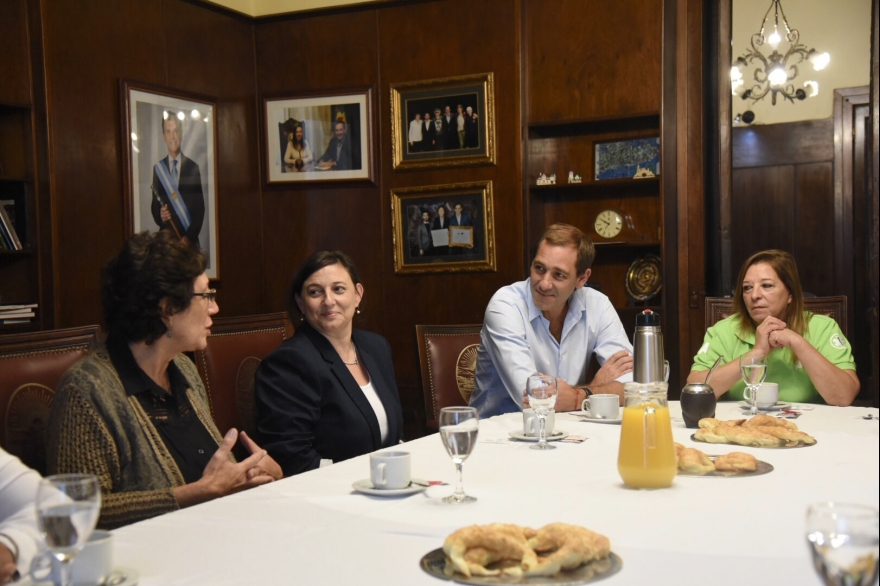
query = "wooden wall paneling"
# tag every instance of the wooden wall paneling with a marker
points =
(814, 230)
(578, 66)
(484, 38)
(125, 40)
(15, 65)
(790, 143)
(211, 53)
(298, 55)
(761, 212)
(873, 267)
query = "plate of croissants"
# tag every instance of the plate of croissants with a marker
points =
(761, 431)
(693, 462)
(558, 553)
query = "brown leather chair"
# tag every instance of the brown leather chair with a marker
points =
(718, 308)
(448, 359)
(227, 365)
(31, 365)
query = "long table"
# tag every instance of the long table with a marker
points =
(313, 529)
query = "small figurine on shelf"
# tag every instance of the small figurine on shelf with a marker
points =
(642, 172)
(544, 180)
(573, 177)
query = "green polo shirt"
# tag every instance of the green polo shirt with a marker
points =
(724, 339)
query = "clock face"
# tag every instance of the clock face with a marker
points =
(608, 224)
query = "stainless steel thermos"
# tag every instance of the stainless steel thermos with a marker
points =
(649, 363)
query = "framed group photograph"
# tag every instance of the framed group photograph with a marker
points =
(170, 161)
(318, 137)
(443, 228)
(443, 122)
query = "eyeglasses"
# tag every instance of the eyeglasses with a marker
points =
(210, 295)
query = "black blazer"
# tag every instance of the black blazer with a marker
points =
(309, 407)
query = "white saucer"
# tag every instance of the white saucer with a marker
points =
(554, 437)
(365, 486)
(587, 416)
(118, 577)
(776, 407)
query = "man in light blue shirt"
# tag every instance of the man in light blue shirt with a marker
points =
(551, 324)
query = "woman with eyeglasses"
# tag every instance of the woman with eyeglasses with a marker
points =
(134, 412)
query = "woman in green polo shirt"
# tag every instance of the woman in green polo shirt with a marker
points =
(807, 354)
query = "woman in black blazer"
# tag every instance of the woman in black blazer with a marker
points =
(327, 393)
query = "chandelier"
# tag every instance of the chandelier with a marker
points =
(775, 73)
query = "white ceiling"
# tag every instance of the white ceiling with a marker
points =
(269, 7)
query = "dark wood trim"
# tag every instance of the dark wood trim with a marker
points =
(330, 11)
(725, 141)
(875, 203)
(844, 100)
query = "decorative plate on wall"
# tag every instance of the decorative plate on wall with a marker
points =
(644, 278)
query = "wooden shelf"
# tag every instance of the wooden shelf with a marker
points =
(27, 252)
(643, 121)
(615, 187)
(615, 244)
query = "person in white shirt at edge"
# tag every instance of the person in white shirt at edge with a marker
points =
(551, 324)
(19, 537)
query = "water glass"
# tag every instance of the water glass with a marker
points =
(542, 390)
(68, 506)
(458, 430)
(753, 370)
(843, 540)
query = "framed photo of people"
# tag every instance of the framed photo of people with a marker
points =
(318, 137)
(170, 165)
(443, 228)
(443, 122)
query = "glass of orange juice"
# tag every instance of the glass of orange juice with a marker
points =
(647, 455)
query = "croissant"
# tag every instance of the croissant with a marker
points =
(709, 436)
(786, 434)
(745, 436)
(693, 461)
(767, 420)
(736, 461)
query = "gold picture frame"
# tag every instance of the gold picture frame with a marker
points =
(443, 228)
(440, 143)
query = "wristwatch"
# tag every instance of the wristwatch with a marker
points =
(588, 391)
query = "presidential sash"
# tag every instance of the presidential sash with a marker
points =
(171, 188)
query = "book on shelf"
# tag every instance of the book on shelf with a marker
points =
(15, 320)
(19, 306)
(16, 314)
(8, 230)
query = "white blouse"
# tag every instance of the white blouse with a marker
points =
(376, 404)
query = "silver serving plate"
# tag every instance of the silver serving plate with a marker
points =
(434, 563)
(763, 468)
(799, 445)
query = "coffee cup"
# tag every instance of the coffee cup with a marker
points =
(91, 566)
(604, 406)
(767, 395)
(390, 470)
(532, 425)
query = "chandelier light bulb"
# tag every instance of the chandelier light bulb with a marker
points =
(195, 114)
(735, 74)
(812, 88)
(777, 76)
(774, 39)
(820, 61)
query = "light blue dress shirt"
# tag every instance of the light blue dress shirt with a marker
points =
(516, 343)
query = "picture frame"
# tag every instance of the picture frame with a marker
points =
(318, 137)
(635, 158)
(464, 241)
(154, 182)
(443, 145)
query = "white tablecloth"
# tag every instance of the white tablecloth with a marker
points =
(313, 529)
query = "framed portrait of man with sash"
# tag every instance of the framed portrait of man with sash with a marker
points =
(171, 163)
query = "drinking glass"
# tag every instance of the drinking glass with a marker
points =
(542, 392)
(843, 539)
(67, 511)
(458, 430)
(753, 370)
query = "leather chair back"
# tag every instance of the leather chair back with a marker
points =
(31, 365)
(448, 360)
(227, 365)
(718, 308)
